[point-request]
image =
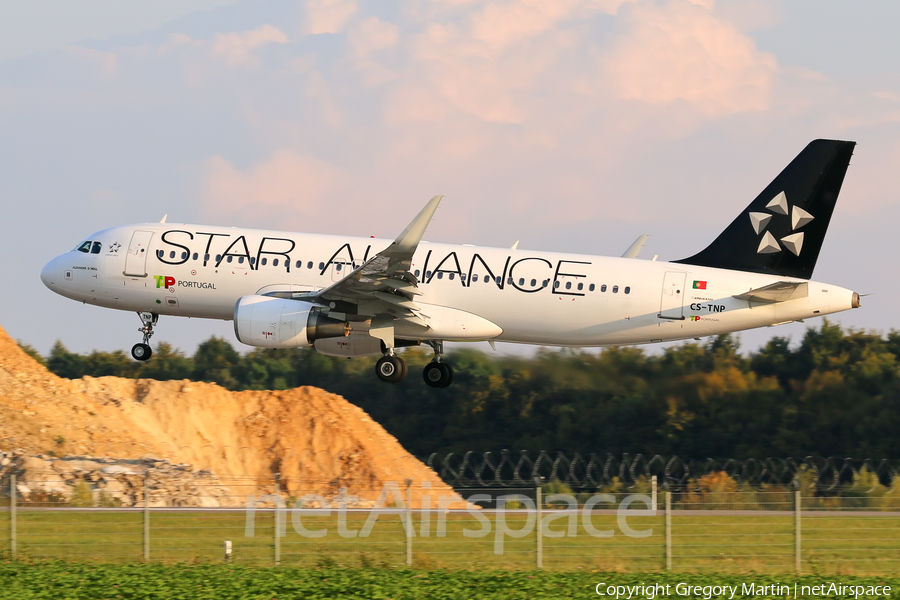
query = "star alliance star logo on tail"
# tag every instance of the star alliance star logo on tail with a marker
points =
(779, 206)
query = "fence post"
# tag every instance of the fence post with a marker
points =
(275, 512)
(12, 515)
(668, 530)
(146, 521)
(798, 566)
(540, 534)
(653, 504)
(409, 523)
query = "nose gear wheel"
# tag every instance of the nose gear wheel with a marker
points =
(143, 351)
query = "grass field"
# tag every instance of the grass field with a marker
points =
(76, 581)
(757, 542)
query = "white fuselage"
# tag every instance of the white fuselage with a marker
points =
(532, 297)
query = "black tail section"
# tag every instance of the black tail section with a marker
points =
(782, 231)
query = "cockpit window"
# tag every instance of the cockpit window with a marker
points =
(85, 247)
(95, 249)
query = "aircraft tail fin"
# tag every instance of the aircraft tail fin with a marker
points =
(782, 231)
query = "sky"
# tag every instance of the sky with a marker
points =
(570, 125)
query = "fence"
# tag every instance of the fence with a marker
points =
(596, 471)
(521, 528)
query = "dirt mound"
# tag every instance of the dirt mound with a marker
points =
(316, 440)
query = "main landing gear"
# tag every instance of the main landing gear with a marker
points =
(390, 368)
(142, 351)
(437, 374)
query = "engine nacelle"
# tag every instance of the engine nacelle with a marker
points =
(268, 322)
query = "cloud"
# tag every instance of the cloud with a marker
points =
(372, 35)
(328, 16)
(288, 181)
(500, 25)
(106, 62)
(237, 47)
(682, 51)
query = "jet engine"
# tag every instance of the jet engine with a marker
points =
(268, 322)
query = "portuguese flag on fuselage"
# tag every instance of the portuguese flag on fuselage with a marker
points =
(699, 285)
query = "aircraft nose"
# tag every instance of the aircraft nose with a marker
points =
(50, 273)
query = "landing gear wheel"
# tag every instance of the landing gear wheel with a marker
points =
(438, 375)
(141, 351)
(391, 369)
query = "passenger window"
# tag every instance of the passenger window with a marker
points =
(533, 282)
(440, 274)
(263, 261)
(95, 249)
(195, 256)
(475, 278)
(184, 255)
(428, 274)
(568, 285)
(591, 288)
(172, 254)
(218, 258)
(206, 258)
(615, 289)
(416, 273)
(229, 258)
(337, 267)
(555, 285)
(603, 288)
(309, 265)
(546, 283)
(627, 290)
(499, 280)
(86, 247)
(521, 281)
(159, 253)
(252, 261)
(240, 260)
(299, 264)
(451, 276)
(321, 266)
(509, 281)
(580, 286)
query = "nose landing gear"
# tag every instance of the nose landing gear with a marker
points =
(142, 351)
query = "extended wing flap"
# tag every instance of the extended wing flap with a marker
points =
(383, 283)
(780, 291)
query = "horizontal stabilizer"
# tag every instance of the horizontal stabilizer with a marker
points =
(781, 291)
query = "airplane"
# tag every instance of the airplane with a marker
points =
(352, 296)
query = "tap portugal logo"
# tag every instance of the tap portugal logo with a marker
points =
(164, 281)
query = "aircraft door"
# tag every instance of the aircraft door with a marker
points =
(136, 259)
(671, 305)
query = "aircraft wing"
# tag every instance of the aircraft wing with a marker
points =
(635, 248)
(780, 291)
(383, 285)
